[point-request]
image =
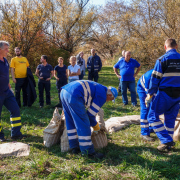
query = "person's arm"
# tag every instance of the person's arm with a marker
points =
(13, 76)
(55, 72)
(100, 64)
(84, 67)
(137, 71)
(52, 74)
(37, 74)
(116, 72)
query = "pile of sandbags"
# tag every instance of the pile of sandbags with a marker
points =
(54, 130)
(117, 123)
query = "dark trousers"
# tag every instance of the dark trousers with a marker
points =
(81, 75)
(93, 75)
(21, 83)
(47, 86)
(59, 85)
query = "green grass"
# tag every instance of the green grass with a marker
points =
(127, 156)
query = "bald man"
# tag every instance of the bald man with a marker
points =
(166, 79)
(127, 76)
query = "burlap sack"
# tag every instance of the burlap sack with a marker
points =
(176, 136)
(52, 132)
(117, 123)
(14, 149)
(64, 139)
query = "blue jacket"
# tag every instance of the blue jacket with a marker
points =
(143, 83)
(93, 94)
(166, 72)
(97, 63)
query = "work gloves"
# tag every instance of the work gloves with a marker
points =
(96, 128)
(148, 100)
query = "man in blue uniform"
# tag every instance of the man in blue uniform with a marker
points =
(44, 72)
(165, 78)
(94, 65)
(76, 97)
(127, 76)
(7, 97)
(142, 88)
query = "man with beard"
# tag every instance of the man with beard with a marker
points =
(19, 67)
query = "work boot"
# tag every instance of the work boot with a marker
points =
(166, 147)
(96, 155)
(18, 137)
(3, 140)
(76, 150)
(146, 138)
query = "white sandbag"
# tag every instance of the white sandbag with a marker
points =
(52, 132)
(117, 123)
(14, 149)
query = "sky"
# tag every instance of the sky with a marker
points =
(98, 2)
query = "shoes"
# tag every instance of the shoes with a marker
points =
(76, 150)
(58, 105)
(134, 105)
(147, 138)
(3, 140)
(96, 155)
(18, 137)
(166, 147)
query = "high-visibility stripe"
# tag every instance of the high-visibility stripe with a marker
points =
(15, 125)
(85, 91)
(143, 85)
(159, 129)
(73, 137)
(143, 79)
(95, 106)
(85, 143)
(156, 123)
(15, 118)
(96, 65)
(92, 112)
(171, 74)
(72, 131)
(145, 126)
(84, 137)
(89, 91)
(144, 120)
(157, 73)
(171, 135)
(169, 129)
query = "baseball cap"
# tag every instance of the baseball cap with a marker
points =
(114, 92)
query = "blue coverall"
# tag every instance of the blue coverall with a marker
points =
(76, 97)
(8, 100)
(166, 77)
(142, 88)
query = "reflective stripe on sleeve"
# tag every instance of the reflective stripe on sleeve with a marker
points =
(95, 106)
(15, 125)
(73, 137)
(143, 85)
(89, 91)
(85, 143)
(157, 73)
(72, 131)
(15, 118)
(85, 137)
(92, 112)
(171, 74)
(85, 91)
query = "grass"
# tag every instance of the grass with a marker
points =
(127, 156)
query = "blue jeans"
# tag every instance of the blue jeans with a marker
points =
(124, 85)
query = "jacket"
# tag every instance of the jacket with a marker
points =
(97, 63)
(31, 84)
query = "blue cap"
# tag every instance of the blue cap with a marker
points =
(114, 92)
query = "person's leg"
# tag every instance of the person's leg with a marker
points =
(133, 92)
(18, 87)
(1, 104)
(11, 104)
(96, 76)
(124, 92)
(90, 76)
(119, 87)
(47, 89)
(41, 93)
(24, 90)
(81, 76)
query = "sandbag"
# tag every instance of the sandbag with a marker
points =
(54, 130)
(176, 135)
(117, 123)
(64, 139)
(14, 149)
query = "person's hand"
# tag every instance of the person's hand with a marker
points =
(48, 79)
(96, 128)
(148, 100)
(14, 80)
(11, 90)
(41, 78)
(57, 79)
(118, 76)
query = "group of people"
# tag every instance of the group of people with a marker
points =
(158, 90)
